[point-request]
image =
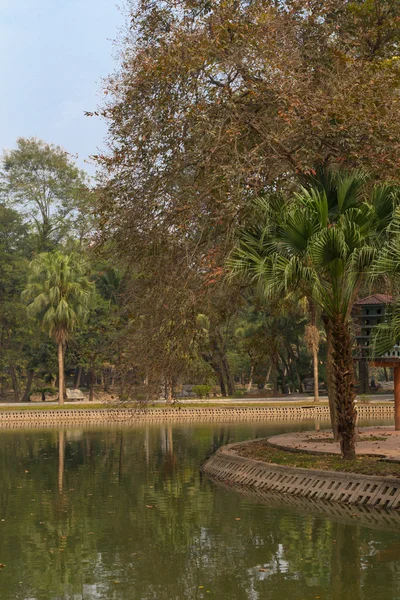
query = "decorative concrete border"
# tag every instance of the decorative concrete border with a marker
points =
(181, 414)
(228, 466)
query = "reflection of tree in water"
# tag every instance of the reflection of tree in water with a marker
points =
(345, 562)
(133, 509)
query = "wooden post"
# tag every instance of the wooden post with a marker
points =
(397, 397)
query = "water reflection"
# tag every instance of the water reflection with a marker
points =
(125, 514)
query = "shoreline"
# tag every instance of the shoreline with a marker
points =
(232, 468)
(83, 414)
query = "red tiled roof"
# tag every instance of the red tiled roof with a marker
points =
(375, 299)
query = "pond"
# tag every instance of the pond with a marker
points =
(125, 514)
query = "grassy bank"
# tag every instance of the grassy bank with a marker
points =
(177, 406)
(363, 465)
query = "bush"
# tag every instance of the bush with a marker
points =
(44, 390)
(239, 394)
(202, 391)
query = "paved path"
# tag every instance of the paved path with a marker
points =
(292, 399)
(370, 440)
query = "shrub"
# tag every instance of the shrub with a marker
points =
(44, 390)
(202, 391)
(239, 394)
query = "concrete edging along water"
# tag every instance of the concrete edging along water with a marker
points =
(180, 414)
(228, 466)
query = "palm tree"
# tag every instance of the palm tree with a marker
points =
(321, 242)
(57, 295)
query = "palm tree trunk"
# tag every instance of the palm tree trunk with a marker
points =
(60, 354)
(315, 368)
(330, 380)
(314, 344)
(343, 376)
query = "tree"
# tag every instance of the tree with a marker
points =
(14, 325)
(57, 295)
(215, 103)
(42, 180)
(323, 241)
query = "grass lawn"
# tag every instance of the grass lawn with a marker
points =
(363, 465)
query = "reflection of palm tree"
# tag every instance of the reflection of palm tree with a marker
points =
(345, 562)
(61, 459)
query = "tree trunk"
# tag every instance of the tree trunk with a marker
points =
(294, 361)
(330, 381)
(212, 361)
(91, 385)
(168, 390)
(281, 372)
(221, 382)
(313, 343)
(78, 377)
(25, 397)
(316, 374)
(275, 378)
(15, 383)
(60, 353)
(363, 371)
(113, 372)
(228, 375)
(343, 376)
(268, 375)
(250, 384)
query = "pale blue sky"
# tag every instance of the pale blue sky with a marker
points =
(53, 54)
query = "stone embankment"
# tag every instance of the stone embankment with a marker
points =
(183, 415)
(228, 466)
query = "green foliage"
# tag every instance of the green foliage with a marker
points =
(202, 391)
(322, 241)
(42, 180)
(43, 390)
(58, 293)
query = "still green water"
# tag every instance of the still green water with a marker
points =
(125, 514)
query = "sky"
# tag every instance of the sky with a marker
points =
(53, 56)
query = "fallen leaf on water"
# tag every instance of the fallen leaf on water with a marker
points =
(237, 519)
(149, 506)
(2, 565)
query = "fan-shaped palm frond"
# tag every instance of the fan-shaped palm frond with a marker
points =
(57, 296)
